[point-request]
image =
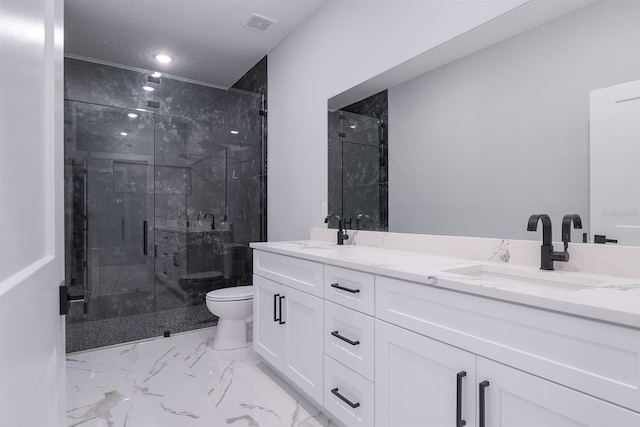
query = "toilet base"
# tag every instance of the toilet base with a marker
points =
(231, 334)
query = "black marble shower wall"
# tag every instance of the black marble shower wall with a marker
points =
(357, 162)
(197, 156)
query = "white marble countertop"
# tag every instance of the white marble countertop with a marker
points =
(603, 297)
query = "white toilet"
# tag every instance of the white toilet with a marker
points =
(233, 306)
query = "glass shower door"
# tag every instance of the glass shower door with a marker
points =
(109, 174)
(209, 190)
(189, 201)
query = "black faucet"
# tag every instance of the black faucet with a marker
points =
(566, 227)
(547, 254)
(363, 216)
(213, 221)
(342, 235)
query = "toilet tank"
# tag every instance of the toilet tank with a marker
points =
(235, 259)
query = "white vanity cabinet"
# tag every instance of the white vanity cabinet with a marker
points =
(424, 382)
(536, 349)
(420, 381)
(377, 350)
(288, 322)
(349, 342)
(516, 398)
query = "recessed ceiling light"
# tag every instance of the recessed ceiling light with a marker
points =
(141, 109)
(132, 115)
(352, 126)
(156, 74)
(163, 58)
(235, 132)
(123, 133)
(148, 88)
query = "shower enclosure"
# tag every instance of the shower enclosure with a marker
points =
(164, 189)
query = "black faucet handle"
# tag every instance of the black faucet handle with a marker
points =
(602, 239)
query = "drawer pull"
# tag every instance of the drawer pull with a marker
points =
(342, 288)
(275, 307)
(459, 421)
(337, 335)
(483, 386)
(280, 321)
(344, 399)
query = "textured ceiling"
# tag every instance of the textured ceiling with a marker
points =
(207, 39)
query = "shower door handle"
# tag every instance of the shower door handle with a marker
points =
(144, 238)
(66, 299)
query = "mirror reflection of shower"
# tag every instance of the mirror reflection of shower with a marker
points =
(357, 163)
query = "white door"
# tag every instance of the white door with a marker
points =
(32, 387)
(615, 162)
(302, 314)
(417, 380)
(268, 331)
(515, 398)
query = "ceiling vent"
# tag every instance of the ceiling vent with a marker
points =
(260, 23)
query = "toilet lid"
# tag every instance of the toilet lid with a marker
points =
(235, 293)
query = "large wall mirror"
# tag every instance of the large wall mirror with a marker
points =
(537, 111)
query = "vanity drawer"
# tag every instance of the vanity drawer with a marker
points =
(350, 288)
(300, 274)
(349, 338)
(344, 389)
(597, 358)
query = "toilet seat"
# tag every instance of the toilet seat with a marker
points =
(236, 293)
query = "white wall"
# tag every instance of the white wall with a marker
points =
(343, 44)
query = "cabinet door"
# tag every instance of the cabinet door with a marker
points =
(417, 380)
(302, 314)
(515, 398)
(268, 332)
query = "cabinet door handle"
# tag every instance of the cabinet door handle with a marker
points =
(483, 386)
(342, 288)
(337, 335)
(275, 307)
(282, 322)
(344, 399)
(459, 421)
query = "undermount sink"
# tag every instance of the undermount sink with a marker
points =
(528, 276)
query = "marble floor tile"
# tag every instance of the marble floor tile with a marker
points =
(181, 381)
